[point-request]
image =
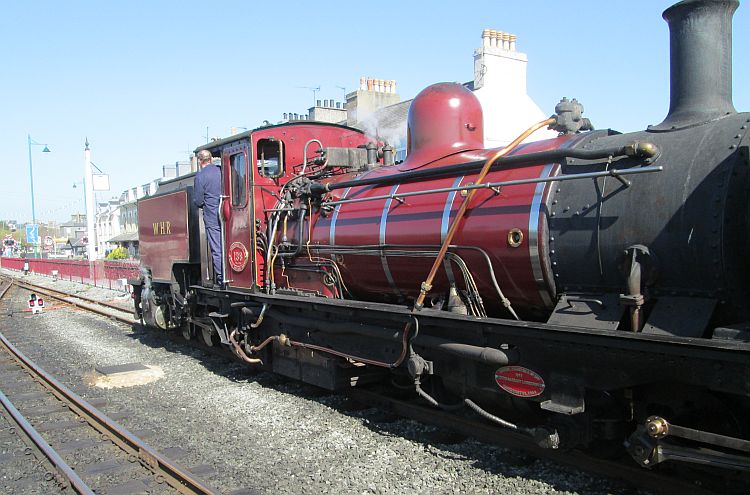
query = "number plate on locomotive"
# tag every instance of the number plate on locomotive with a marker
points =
(519, 381)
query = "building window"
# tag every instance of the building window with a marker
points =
(270, 157)
(239, 179)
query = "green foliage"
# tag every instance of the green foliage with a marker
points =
(119, 253)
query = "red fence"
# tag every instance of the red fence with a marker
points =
(107, 274)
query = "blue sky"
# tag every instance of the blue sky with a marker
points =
(143, 79)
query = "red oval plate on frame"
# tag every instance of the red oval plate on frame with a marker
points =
(519, 381)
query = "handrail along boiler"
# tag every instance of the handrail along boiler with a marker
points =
(586, 291)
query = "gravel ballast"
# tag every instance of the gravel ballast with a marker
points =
(264, 432)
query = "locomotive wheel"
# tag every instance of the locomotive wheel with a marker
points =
(207, 337)
(187, 331)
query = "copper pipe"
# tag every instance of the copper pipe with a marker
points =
(284, 340)
(240, 353)
(381, 364)
(427, 284)
(255, 349)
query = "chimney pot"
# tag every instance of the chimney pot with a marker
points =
(506, 41)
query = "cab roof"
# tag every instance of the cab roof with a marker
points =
(246, 134)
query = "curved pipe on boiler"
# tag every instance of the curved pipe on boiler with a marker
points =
(304, 153)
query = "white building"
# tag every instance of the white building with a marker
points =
(117, 220)
(500, 86)
(107, 226)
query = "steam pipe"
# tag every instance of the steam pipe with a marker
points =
(240, 353)
(405, 345)
(636, 150)
(484, 355)
(492, 185)
(304, 153)
(300, 234)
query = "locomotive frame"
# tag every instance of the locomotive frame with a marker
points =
(616, 324)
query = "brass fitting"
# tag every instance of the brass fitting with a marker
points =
(657, 427)
(643, 150)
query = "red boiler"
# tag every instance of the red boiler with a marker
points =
(385, 240)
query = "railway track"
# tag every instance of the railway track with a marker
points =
(84, 450)
(464, 425)
(99, 307)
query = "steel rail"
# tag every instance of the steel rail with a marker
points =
(65, 297)
(62, 467)
(83, 298)
(6, 288)
(175, 475)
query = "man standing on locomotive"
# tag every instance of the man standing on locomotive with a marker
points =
(207, 195)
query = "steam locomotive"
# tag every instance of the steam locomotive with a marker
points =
(585, 291)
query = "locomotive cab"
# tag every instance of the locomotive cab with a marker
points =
(256, 167)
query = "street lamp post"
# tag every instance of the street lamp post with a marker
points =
(31, 178)
(82, 183)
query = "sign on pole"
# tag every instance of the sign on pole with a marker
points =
(100, 182)
(32, 233)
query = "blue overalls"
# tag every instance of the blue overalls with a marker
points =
(206, 195)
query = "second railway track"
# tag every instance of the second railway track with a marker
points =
(100, 307)
(83, 449)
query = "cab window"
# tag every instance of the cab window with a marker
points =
(270, 157)
(238, 169)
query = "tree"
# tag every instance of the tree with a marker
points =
(119, 253)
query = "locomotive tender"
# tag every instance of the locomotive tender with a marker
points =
(587, 291)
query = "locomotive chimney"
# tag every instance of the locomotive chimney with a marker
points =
(700, 37)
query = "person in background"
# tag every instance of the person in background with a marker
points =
(207, 195)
